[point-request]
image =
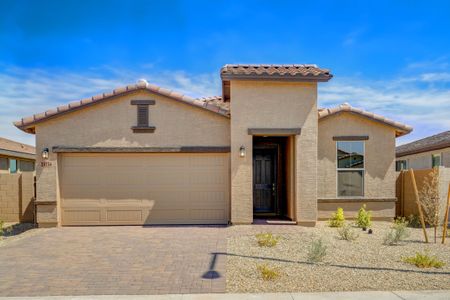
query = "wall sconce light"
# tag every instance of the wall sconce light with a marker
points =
(242, 151)
(45, 153)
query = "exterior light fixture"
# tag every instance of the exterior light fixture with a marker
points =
(45, 153)
(242, 151)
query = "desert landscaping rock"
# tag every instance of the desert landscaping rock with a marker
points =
(364, 264)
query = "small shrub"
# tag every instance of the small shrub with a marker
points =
(268, 273)
(347, 233)
(317, 251)
(1, 228)
(398, 233)
(267, 239)
(363, 219)
(424, 260)
(337, 218)
(414, 221)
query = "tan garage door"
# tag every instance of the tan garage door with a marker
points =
(133, 189)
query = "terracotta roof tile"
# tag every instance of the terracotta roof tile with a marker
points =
(26, 124)
(401, 129)
(10, 145)
(286, 72)
(434, 142)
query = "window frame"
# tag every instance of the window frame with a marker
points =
(433, 157)
(17, 165)
(363, 169)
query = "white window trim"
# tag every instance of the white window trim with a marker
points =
(351, 169)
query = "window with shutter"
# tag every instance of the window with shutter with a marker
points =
(142, 122)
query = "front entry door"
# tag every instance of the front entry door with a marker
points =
(264, 180)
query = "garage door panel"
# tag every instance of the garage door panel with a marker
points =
(135, 189)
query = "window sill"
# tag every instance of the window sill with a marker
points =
(146, 129)
(354, 199)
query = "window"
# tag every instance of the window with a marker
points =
(401, 165)
(350, 168)
(26, 166)
(435, 160)
(3, 164)
(143, 124)
(13, 166)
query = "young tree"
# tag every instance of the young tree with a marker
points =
(429, 200)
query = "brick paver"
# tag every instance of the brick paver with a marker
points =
(122, 260)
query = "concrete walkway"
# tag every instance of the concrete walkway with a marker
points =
(395, 295)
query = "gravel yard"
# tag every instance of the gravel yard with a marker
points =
(364, 264)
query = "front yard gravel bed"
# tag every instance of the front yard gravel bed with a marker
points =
(364, 264)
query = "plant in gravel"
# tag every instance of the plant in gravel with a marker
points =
(424, 260)
(268, 273)
(414, 221)
(429, 200)
(363, 219)
(1, 227)
(398, 233)
(267, 239)
(337, 218)
(317, 251)
(347, 233)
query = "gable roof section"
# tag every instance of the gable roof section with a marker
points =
(400, 129)
(27, 124)
(434, 142)
(275, 72)
(13, 148)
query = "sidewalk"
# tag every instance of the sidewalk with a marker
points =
(395, 295)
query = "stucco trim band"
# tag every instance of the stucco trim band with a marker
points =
(351, 138)
(355, 200)
(183, 149)
(17, 154)
(274, 131)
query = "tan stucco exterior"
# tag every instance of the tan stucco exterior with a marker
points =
(269, 104)
(258, 107)
(423, 160)
(379, 178)
(108, 124)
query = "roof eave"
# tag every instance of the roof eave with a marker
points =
(287, 78)
(423, 149)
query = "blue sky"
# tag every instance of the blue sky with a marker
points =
(389, 57)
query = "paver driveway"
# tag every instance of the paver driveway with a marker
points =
(114, 260)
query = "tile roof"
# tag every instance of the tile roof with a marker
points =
(13, 146)
(271, 72)
(434, 142)
(26, 124)
(216, 100)
(401, 129)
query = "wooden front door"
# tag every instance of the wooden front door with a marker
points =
(264, 180)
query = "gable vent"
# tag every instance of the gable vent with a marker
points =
(142, 115)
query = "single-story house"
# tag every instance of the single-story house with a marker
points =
(16, 157)
(16, 181)
(142, 154)
(426, 153)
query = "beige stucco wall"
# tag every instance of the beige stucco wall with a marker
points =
(269, 104)
(108, 124)
(16, 197)
(423, 160)
(379, 178)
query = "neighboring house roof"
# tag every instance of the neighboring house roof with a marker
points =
(16, 149)
(275, 72)
(26, 124)
(401, 129)
(434, 142)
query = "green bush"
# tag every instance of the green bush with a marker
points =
(347, 233)
(363, 219)
(398, 233)
(414, 221)
(1, 228)
(267, 239)
(337, 218)
(424, 260)
(317, 251)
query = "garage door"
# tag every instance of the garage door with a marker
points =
(135, 189)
